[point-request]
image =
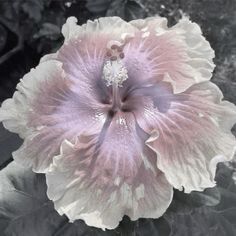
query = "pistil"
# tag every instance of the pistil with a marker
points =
(116, 100)
(115, 73)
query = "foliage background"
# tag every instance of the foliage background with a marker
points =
(30, 29)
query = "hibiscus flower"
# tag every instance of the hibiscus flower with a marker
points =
(120, 115)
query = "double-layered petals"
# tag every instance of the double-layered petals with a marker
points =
(110, 151)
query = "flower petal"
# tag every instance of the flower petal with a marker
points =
(192, 136)
(14, 112)
(180, 54)
(158, 23)
(48, 57)
(84, 53)
(121, 177)
(114, 26)
(46, 109)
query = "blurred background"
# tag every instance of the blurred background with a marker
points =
(30, 29)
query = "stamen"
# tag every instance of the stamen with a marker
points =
(122, 55)
(114, 47)
(120, 49)
(113, 58)
(109, 54)
(115, 73)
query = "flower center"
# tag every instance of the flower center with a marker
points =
(115, 73)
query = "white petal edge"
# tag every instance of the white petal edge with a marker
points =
(196, 171)
(198, 49)
(115, 27)
(104, 208)
(13, 112)
(200, 55)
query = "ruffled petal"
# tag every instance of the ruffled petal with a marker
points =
(115, 27)
(48, 57)
(47, 109)
(179, 54)
(102, 182)
(14, 112)
(192, 136)
(83, 55)
(70, 29)
(83, 61)
(159, 24)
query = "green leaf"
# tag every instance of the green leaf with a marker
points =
(98, 6)
(126, 9)
(24, 207)
(212, 212)
(33, 9)
(50, 31)
(9, 142)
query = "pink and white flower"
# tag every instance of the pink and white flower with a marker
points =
(121, 114)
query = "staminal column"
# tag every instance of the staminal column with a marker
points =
(115, 73)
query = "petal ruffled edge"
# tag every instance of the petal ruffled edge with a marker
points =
(114, 26)
(18, 113)
(102, 204)
(204, 142)
(13, 112)
(199, 54)
(198, 48)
